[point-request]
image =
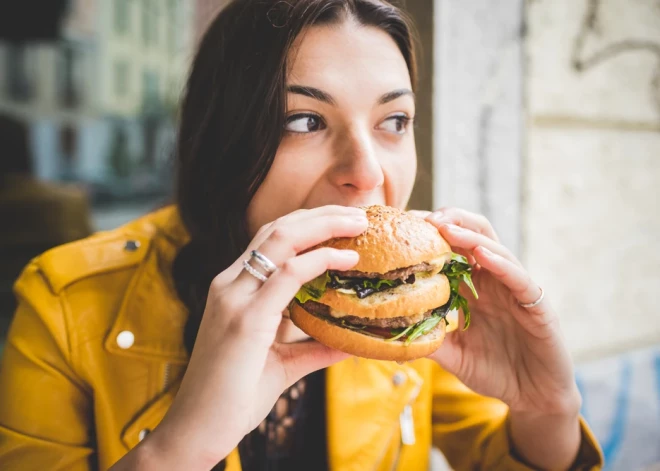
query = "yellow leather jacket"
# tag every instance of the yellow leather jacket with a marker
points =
(95, 355)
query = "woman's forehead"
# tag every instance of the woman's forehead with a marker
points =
(329, 57)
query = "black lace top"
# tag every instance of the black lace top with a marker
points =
(293, 435)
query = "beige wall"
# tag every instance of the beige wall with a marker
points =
(478, 133)
(592, 176)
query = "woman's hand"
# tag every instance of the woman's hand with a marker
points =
(509, 352)
(237, 370)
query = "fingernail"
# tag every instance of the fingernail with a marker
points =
(436, 217)
(360, 219)
(485, 251)
(453, 228)
(420, 214)
(349, 255)
(356, 210)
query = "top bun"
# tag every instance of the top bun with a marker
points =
(394, 239)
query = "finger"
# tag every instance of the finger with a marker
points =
(303, 358)
(419, 213)
(235, 268)
(287, 240)
(302, 215)
(513, 276)
(470, 240)
(296, 216)
(448, 356)
(282, 286)
(467, 254)
(466, 219)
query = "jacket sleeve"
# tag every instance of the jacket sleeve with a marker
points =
(45, 408)
(471, 430)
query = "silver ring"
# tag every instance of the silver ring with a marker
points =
(535, 303)
(254, 272)
(263, 261)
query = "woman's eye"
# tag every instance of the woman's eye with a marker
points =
(304, 123)
(397, 124)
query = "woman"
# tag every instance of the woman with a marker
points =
(295, 112)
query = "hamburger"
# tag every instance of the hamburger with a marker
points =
(393, 304)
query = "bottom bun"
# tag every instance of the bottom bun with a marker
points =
(365, 346)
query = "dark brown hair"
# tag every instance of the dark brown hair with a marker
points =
(232, 120)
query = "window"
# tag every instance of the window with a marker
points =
(69, 76)
(20, 84)
(173, 30)
(68, 144)
(121, 78)
(121, 15)
(150, 22)
(150, 87)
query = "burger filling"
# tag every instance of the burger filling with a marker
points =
(404, 329)
(360, 284)
(323, 310)
(399, 273)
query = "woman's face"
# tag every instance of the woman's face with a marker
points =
(349, 136)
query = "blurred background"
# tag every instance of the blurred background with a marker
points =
(544, 115)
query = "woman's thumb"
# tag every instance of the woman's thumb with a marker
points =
(302, 358)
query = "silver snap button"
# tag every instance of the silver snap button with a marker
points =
(399, 378)
(125, 339)
(143, 433)
(132, 245)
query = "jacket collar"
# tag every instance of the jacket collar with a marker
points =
(151, 311)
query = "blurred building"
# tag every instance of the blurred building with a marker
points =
(47, 84)
(143, 55)
(100, 100)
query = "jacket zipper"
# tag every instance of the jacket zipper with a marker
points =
(407, 426)
(166, 377)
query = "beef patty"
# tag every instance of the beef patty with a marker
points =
(398, 274)
(323, 310)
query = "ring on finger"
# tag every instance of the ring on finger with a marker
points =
(263, 262)
(535, 303)
(254, 272)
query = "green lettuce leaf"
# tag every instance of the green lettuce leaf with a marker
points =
(401, 334)
(459, 270)
(313, 290)
(377, 284)
(459, 302)
(422, 328)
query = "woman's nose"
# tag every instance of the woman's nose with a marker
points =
(358, 166)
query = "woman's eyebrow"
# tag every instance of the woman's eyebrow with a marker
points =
(394, 95)
(312, 92)
(324, 97)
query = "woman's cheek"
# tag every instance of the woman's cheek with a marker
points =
(400, 176)
(289, 175)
